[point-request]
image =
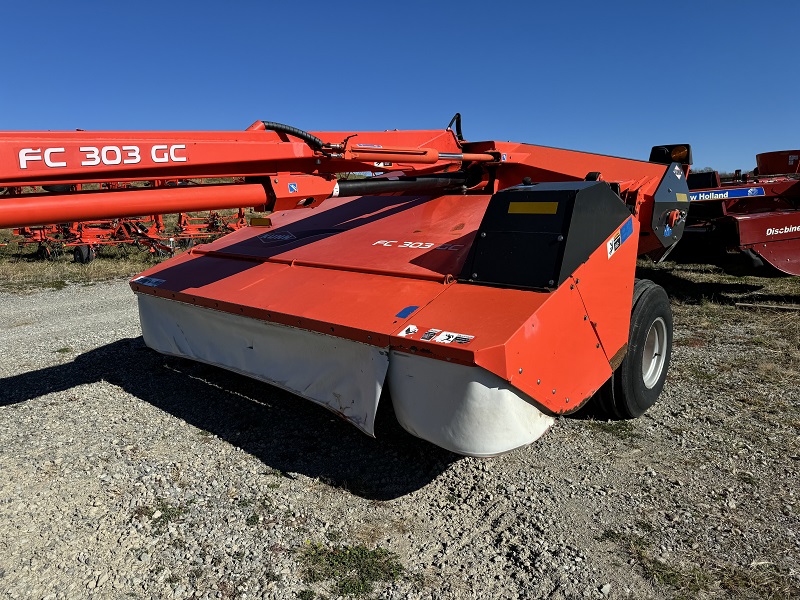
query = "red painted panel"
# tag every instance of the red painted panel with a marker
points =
(775, 236)
(407, 236)
(779, 162)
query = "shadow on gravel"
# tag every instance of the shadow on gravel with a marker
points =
(694, 292)
(284, 431)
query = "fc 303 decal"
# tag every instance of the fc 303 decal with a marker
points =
(91, 156)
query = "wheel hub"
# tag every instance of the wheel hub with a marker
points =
(655, 353)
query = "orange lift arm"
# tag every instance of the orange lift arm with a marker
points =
(297, 169)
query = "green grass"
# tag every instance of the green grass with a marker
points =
(623, 430)
(22, 271)
(161, 515)
(758, 580)
(707, 285)
(354, 570)
(764, 580)
(252, 520)
(687, 582)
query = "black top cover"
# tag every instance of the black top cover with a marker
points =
(535, 236)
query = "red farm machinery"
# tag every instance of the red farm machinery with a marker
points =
(755, 214)
(84, 238)
(489, 285)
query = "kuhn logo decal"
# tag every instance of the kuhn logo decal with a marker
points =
(277, 236)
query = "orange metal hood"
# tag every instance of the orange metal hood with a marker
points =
(381, 271)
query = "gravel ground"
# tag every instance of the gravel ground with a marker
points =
(130, 474)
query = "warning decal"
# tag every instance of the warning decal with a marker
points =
(622, 234)
(446, 337)
(410, 330)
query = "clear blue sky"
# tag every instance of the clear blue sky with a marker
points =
(608, 77)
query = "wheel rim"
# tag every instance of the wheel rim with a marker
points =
(655, 353)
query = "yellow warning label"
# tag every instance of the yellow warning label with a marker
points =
(682, 197)
(260, 222)
(532, 208)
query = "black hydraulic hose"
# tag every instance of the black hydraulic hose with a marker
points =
(317, 144)
(457, 120)
(365, 187)
(313, 141)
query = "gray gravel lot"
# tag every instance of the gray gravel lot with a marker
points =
(130, 474)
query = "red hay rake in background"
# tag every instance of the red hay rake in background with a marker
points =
(85, 238)
(755, 214)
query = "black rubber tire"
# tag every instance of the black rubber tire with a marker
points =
(44, 252)
(59, 188)
(632, 389)
(83, 254)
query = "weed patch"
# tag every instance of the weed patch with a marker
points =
(746, 477)
(687, 582)
(700, 373)
(23, 271)
(333, 535)
(759, 580)
(160, 515)
(353, 569)
(623, 430)
(693, 341)
(764, 580)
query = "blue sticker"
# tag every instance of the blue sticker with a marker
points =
(406, 311)
(725, 194)
(292, 188)
(667, 231)
(626, 230)
(619, 237)
(504, 156)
